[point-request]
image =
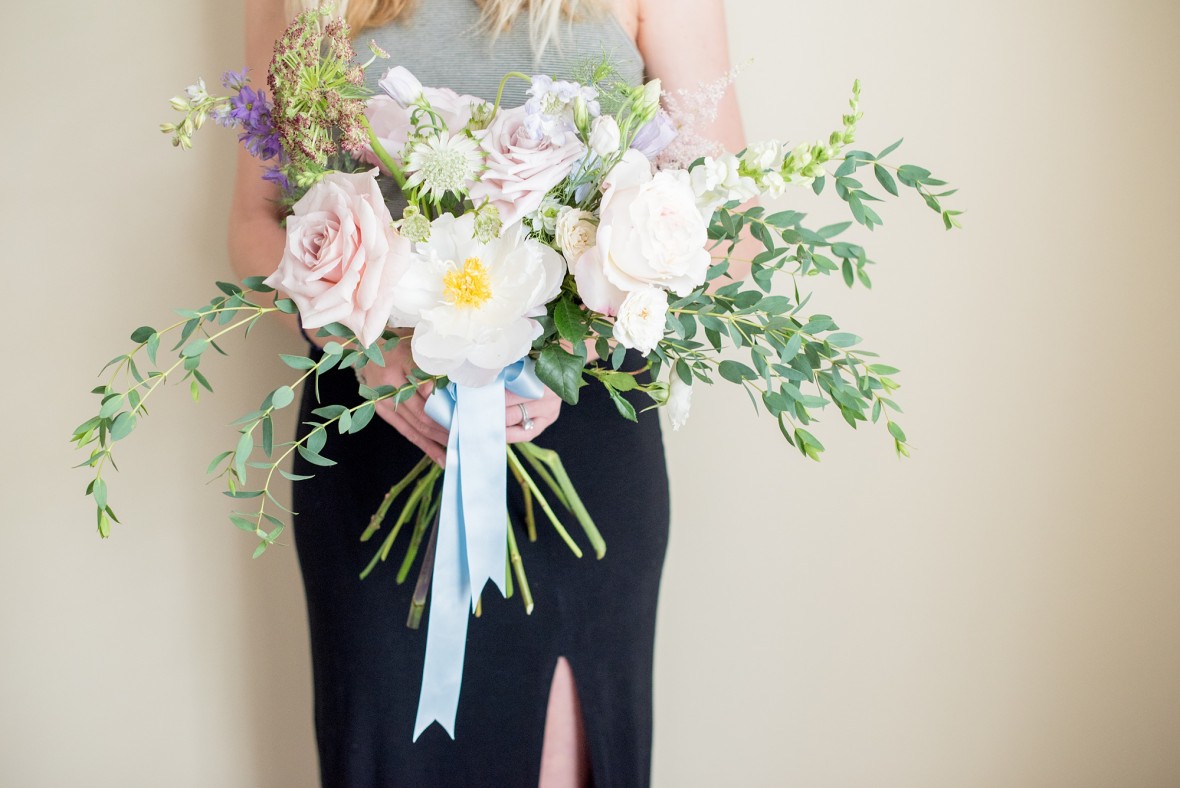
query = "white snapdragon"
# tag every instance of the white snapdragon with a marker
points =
(574, 232)
(604, 136)
(767, 155)
(642, 318)
(718, 181)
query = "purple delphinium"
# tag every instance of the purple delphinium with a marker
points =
(277, 176)
(251, 110)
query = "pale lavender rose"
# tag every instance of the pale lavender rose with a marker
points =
(521, 169)
(343, 258)
(655, 135)
(650, 230)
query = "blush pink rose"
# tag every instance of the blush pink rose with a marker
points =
(521, 169)
(343, 258)
(391, 121)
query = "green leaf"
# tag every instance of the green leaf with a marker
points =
(316, 440)
(314, 458)
(257, 284)
(625, 408)
(110, 406)
(297, 362)
(361, 417)
(889, 149)
(843, 339)
(619, 381)
(123, 425)
(260, 549)
(846, 270)
(268, 436)
(142, 333)
(286, 305)
(883, 369)
(562, 372)
(833, 230)
(282, 397)
(217, 461)
(195, 348)
(99, 491)
(242, 453)
(735, 372)
(775, 304)
(885, 179)
(570, 320)
(153, 344)
(229, 288)
(896, 431)
(333, 349)
(294, 477)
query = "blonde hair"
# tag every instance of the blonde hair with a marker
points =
(544, 16)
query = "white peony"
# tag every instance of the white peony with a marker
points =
(650, 230)
(473, 305)
(679, 401)
(641, 319)
(574, 232)
(604, 136)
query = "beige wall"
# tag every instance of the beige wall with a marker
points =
(999, 611)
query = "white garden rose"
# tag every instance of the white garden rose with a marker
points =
(473, 305)
(604, 135)
(574, 232)
(679, 401)
(650, 231)
(641, 319)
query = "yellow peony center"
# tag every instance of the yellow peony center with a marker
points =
(468, 286)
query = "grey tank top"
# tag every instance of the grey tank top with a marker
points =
(440, 43)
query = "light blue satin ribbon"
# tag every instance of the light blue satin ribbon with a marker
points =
(471, 546)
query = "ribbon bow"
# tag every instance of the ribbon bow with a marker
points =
(471, 546)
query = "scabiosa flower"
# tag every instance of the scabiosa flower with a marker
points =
(440, 164)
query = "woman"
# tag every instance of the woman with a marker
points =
(561, 697)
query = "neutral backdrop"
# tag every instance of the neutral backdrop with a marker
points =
(1000, 610)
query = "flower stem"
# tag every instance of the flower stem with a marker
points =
(564, 534)
(518, 569)
(422, 589)
(383, 155)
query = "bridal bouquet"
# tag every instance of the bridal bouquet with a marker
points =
(594, 219)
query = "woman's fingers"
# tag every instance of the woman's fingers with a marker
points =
(397, 419)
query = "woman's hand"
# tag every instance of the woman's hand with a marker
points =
(410, 419)
(543, 412)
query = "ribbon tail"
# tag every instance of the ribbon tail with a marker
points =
(450, 590)
(484, 489)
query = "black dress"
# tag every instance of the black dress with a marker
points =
(599, 614)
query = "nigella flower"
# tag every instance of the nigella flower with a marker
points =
(442, 164)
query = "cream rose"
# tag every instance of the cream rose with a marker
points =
(604, 135)
(650, 230)
(574, 232)
(343, 258)
(521, 169)
(641, 319)
(679, 401)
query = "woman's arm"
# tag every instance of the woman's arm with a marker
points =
(684, 44)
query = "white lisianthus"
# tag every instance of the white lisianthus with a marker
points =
(574, 232)
(604, 135)
(641, 319)
(718, 181)
(401, 86)
(679, 401)
(473, 305)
